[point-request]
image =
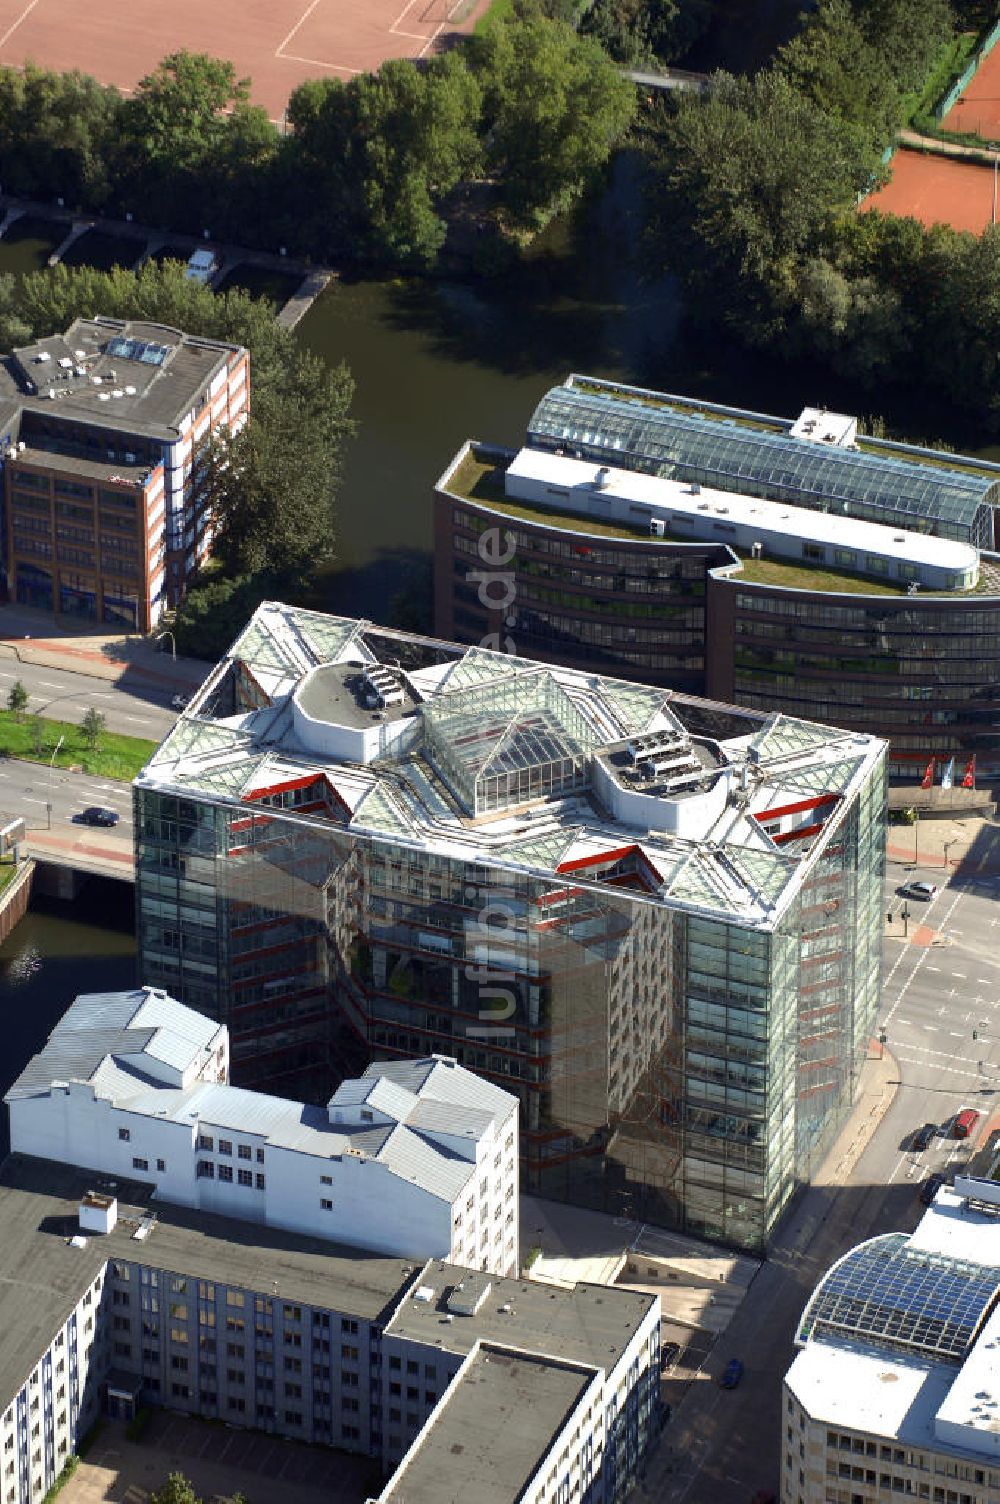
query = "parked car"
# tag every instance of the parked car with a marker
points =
(99, 814)
(925, 1136)
(923, 891)
(202, 266)
(930, 1188)
(669, 1353)
(965, 1122)
(180, 702)
(732, 1374)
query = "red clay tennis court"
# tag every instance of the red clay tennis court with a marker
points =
(977, 108)
(936, 190)
(278, 43)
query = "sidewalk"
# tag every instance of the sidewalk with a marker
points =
(33, 637)
(878, 1086)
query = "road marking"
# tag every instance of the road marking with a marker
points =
(47, 684)
(28, 800)
(962, 976)
(932, 968)
(956, 1033)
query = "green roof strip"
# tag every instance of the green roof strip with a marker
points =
(619, 427)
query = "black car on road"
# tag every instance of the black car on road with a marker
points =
(925, 1136)
(97, 814)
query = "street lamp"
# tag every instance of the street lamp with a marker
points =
(173, 644)
(52, 769)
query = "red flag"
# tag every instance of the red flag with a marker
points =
(928, 777)
(969, 777)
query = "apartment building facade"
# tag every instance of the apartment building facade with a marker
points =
(100, 434)
(253, 1326)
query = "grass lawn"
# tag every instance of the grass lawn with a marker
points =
(498, 11)
(35, 739)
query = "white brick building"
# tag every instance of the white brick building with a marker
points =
(417, 1158)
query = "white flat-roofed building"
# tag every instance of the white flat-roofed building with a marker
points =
(896, 1389)
(752, 525)
(417, 1158)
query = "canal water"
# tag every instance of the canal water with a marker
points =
(56, 951)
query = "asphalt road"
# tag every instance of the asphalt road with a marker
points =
(27, 788)
(67, 696)
(724, 1445)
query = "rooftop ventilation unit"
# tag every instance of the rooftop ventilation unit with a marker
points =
(381, 688)
(601, 478)
(756, 550)
(657, 527)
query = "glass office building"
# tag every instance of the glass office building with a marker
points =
(656, 919)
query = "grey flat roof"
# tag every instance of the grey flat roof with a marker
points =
(42, 1276)
(69, 464)
(151, 374)
(335, 692)
(493, 1432)
(590, 1324)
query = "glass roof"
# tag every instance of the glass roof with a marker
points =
(483, 738)
(478, 666)
(327, 636)
(636, 433)
(891, 1295)
(227, 778)
(192, 736)
(636, 703)
(379, 810)
(784, 736)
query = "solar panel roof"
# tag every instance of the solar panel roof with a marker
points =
(146, 351)
(887, 1294)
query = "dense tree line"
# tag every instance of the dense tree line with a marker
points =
(363, 168)
(752, 195)
(271, 489)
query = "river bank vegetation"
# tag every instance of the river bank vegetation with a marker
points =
(364, 169)
(751, 195)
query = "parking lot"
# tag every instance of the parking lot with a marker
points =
(220, 1461)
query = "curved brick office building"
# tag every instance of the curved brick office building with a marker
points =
(784, 566)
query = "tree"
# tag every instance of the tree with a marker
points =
(554, 107)
(377, 155)
(646, 33)
(17, 699)
(37, 734)
(831, 62)
(92, 727)
(176, 1490)
(750, 179)
(188, 135)
(270, 489)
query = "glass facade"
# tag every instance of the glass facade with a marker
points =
(613, 605)
(915, 670)
(670, 1066)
